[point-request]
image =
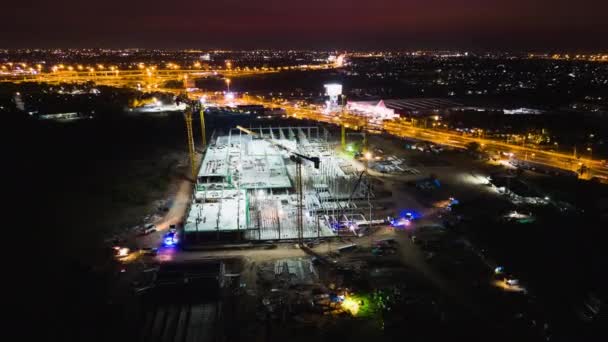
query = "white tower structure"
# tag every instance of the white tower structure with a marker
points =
(334, 91)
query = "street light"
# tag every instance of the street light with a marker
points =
(590, 152)
(228, 84)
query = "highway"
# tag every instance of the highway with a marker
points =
(405, 129)
(142, 76)
(126, 78)
(153, 78)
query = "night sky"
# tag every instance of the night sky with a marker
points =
(361, 24)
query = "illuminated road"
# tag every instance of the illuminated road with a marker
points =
(443, 137)
(532, 155)
(153, 78)
(127, 78)
(142, 76)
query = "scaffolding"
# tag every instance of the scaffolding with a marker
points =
(273, 208)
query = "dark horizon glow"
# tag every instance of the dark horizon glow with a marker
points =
(347, 24)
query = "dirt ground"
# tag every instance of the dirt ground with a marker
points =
(456, 277)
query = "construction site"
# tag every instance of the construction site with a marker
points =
(324, 231)
(277, 183)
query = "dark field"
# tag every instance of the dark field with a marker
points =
(87, 180)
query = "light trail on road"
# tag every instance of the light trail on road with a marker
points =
(145, 76)
(404, 129)
(151, 78)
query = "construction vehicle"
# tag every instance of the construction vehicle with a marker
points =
(192, 106)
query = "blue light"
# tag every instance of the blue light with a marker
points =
(170, 239)
(410, 214)
(401, 222)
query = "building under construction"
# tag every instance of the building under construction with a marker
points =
(276, 183)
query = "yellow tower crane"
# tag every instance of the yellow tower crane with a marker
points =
(203, 132)
(188, 117)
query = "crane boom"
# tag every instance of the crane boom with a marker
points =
(315, 160)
